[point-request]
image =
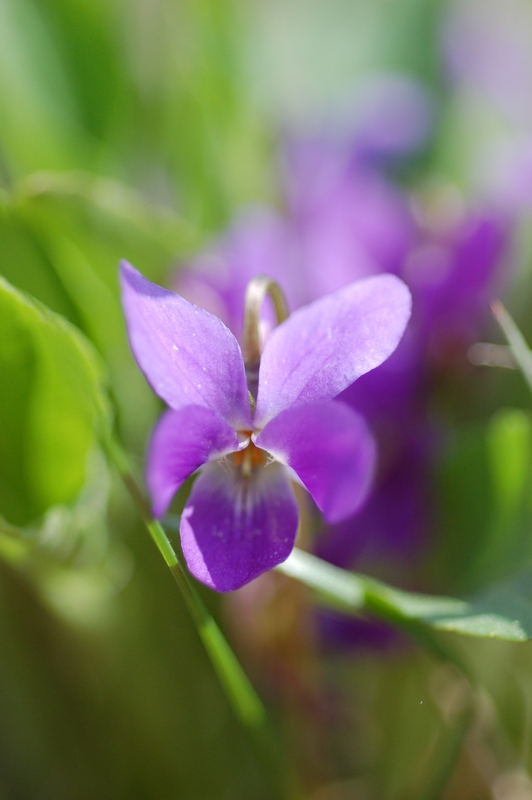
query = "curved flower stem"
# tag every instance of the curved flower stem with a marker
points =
(239, 691)
(257, 289)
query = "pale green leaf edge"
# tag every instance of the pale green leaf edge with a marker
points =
(420, 614)
(95, 369)
(359, 595)
(83, 347)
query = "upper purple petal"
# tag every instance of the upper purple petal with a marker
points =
(330, 448)
(188, 356)
(234, 528)
(181, 442)
(322, 348)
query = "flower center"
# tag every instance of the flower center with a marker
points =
(250, 457)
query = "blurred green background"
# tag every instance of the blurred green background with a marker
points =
(137, 130)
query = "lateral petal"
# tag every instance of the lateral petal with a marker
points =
(188, 356)
(323, 348)
(235, 528)
(331, 450)
(181, 442)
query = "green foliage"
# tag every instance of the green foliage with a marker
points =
(483, 488)
(137, 130)
(503, 613)
(52, 407)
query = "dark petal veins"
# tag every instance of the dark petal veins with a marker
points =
(234, 528)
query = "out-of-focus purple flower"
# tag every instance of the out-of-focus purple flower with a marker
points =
(394, 116)
(343, 227)
(391, 527)
(348, 217)
(452, 277)
(260, 242)
(342, 220)
(241, 517)
(487, 46)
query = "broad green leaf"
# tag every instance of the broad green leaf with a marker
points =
(509, 447)
(51, 401)
(483, 481)
(64, 235)
(503, 613)
(463, 488)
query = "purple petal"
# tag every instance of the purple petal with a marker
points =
(234, 528)
(323, 348)
(181, 442)
(188, 356)
(330, 448)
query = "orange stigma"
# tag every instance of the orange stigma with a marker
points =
(250, 457)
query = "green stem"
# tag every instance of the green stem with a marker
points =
(241, 694)
(242, 697)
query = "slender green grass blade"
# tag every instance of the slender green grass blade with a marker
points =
(516, 341)
(241, 694)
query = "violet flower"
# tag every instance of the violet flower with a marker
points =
(453, 268)
(241, 517)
